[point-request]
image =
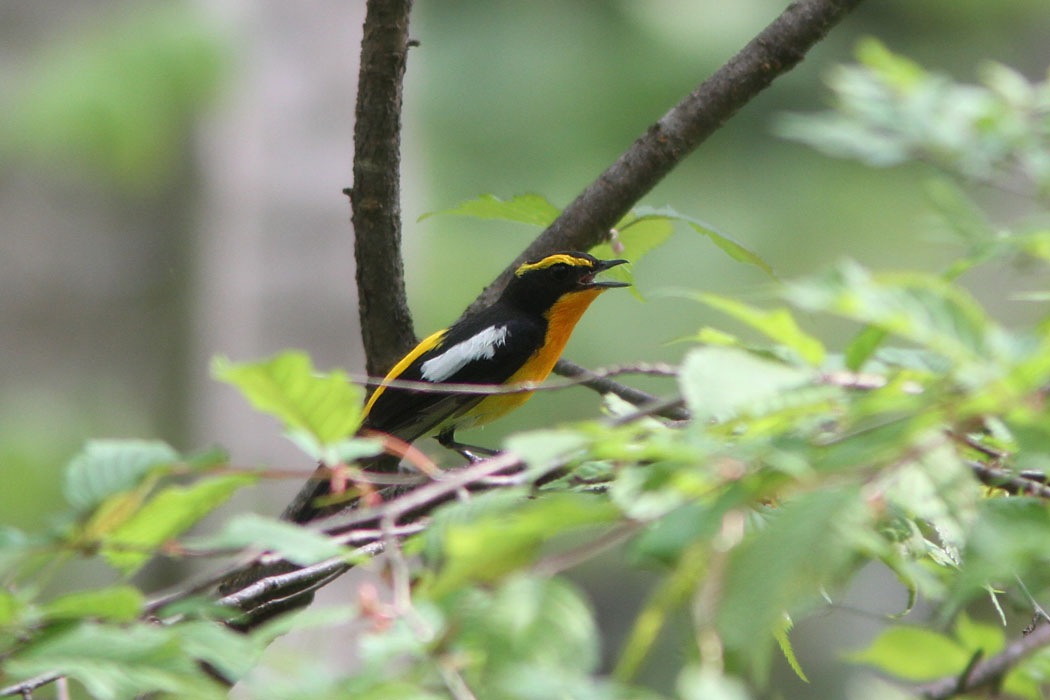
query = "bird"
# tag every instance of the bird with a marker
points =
(518, 338)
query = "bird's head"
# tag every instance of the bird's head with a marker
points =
(540, 283)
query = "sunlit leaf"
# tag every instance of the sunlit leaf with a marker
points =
(721, 383)
(913, 654)
(778, 324)
(168, 514)
(326, 406)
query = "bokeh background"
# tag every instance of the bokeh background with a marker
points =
(170, 177)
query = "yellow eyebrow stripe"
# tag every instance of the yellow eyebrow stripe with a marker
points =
(553, 260)
(427, 343)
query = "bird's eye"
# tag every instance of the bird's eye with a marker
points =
(561, 272)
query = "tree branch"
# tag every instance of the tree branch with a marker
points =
(385, 322)
(386, 325)
(989, 671)
(775, 51)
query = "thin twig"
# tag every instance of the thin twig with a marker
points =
(29, 685)
(580, 377)
(399, 574)
(605, 385)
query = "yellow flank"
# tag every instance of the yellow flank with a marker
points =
(426, 344)
(553, 260)
(561, 319)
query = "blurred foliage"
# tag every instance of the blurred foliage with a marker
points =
(118, 100)
(792, 474)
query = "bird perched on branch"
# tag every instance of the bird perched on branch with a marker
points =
(516, 339)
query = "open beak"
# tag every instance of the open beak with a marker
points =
(601, 267)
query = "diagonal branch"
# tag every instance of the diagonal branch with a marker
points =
(386, 325)
(987, 672)
(776, 50)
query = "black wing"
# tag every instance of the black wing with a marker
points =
(410, 414)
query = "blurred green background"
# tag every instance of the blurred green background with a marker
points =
(170, 177)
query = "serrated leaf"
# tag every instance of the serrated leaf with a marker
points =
(721, 383)
(784, 642)
(778, 324)
(296, 544)
(913, 654)
(523, 208)
(116, 604)
(326, 406)
(171, 512)
(105, 467)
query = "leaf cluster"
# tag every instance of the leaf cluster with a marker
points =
(913, 446)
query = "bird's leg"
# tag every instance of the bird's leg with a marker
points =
(447, 439)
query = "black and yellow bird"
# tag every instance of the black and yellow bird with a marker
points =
(516, 339)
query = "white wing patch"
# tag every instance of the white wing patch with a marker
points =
(481, 346)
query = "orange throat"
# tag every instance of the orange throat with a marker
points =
(561, 319)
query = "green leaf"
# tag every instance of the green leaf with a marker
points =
(895, 69)
(1006, 541)
(232, 653)
(778, 324)
(522, 208)
(913, 654)
(493, 545)
(636, 236)
(808, 543)
(296, 544)
(540, 448)
(11, 607)
(543, 624)
(666, 599)
(781, 635)
(117, 604)
(924, 309)
(974, 636)
(171, 512)
(105, 467)
(325, 406)
(863, 345)
(728, 246)
(117, 662)
(722, 383)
